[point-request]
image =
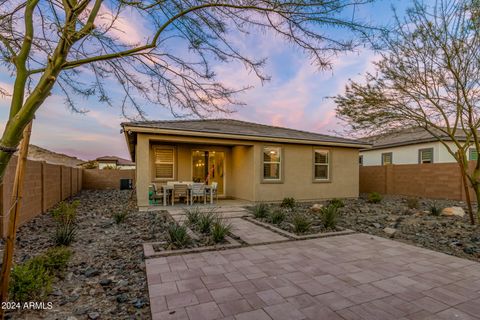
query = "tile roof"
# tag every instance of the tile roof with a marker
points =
(407, 136)
(118, 160)
(241, 128)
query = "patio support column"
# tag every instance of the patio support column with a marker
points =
(142, 159)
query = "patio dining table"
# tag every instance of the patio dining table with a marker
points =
(168, 188)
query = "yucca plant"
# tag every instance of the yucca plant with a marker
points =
(205, 222)
(220, 229)
(301, 223)
(260, 210)
(288, 203)
(329, 216)
(65, 233)
(434, 210)
(178, 235)
(337, 203)
(120, 216)
(193, 215)
(277, 216)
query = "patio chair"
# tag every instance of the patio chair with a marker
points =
(180, 191)
(154, 195)
(214, 186)
(198, 191)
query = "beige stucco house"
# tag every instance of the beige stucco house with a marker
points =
(249, 161)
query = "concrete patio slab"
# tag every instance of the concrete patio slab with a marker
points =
(345, 277)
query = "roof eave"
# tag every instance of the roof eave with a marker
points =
(140, 129)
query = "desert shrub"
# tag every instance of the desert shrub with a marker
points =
(220, 229)
(260, 210)
(337, 203)
(435, 210)
(301, 223)
(329, 216)
(120, 216)
(178, 235)
(65, 233)
(288, 203)
(56, 259)
(277, 216)
(32, 280)
(375, 197)
(65, 215)
(193, 215)
(205, 222)
(412, 203)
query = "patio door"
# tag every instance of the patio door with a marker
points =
(209, 166)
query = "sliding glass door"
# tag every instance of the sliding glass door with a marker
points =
(208, 167)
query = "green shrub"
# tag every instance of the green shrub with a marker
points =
(205, 222)
(178, 235)
(277, 216)
(301, 223)
(375, 197)
(412, 203)
(56, 259)
(337, 203)
(260, 210)
(66, 212)
(434, 210)
(220, 230)
(329, 216)
(32, 280)
(193, 215)
(288, 203)
(120, 216)
(65, 234)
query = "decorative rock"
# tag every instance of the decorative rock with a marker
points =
(453, 211)
(316, 207)
(93, 315)
(377, 225)
(105, 282)
(91, 272)
(471, 250)
(121, 298)
(390, 231)
(139, 303)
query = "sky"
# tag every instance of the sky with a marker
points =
(297, 96)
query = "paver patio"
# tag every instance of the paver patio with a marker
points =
(345, 277)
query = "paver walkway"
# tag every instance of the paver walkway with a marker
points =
(346, 277)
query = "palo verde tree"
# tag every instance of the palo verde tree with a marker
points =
(63, 43)
(428, 77)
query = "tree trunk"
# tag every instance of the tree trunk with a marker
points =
(13, 214)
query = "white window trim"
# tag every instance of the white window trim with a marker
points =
(420, 157)
(155, 162)
(280, 164)
(323, 164)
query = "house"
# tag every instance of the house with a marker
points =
(113, 162)
(108, 162)
(410, 146)
(249, 161)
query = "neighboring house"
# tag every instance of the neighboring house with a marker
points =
(113, 162)
(248, 161)
(410, 146)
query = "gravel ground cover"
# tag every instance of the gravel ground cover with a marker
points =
(105, 278)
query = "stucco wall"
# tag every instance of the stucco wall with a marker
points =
(100, 179)
(243, 160)
(409, 154)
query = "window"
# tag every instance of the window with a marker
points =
(387, 158)
(472, 154)
(360, 160)
(272, 162)
(321, 165)
(425, 155)
(164, 163)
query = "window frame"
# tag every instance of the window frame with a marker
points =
(472, 151)
(420, 151)
(385, 154)
(173, 163)
(281, 164)
(328, 164)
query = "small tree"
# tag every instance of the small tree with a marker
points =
(428, 76)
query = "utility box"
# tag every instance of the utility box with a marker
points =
(126, 184)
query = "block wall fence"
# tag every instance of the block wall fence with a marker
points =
(432, 180)
(47, 184)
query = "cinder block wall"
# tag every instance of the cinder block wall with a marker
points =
(45, 185)
(433, 180)
(105, 179)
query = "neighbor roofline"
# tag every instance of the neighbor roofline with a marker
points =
(409, 143)
(141, 129)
